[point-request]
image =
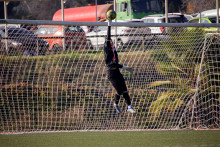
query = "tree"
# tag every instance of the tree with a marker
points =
(44, 10)
(10, 7)
(192, 6)
(175, 6)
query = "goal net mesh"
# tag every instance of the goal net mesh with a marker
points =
(48, 83)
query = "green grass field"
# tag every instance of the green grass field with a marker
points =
(186, 138)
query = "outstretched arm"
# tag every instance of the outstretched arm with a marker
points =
(109, 31)
(130, 69)
(111, 56)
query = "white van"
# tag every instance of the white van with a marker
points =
(212, 12)
(172, 18)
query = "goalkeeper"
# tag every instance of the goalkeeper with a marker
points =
(114, 74)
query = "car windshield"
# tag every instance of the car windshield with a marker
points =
(173, 20)
(100, 28)
(213, 20)
(46, 30)
(146, 6)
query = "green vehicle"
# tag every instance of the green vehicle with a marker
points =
(210, 19)
(126, 10)
(137, 9)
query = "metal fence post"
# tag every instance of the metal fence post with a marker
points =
(37, 46)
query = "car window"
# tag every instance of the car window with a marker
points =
(161, 20)
(149, 20)
(175, 20)
(145, 6)
(18, 32)
(204, 21)
(188, 17)
(71, 29)
(46, 30)
(117, 7)
(2, 34)
(123, 6)
(51, 30)
(172, 20)
(41, 31)
(194, 21)
(80, 29)
(213, 20)
(100, 28)
(128, 8)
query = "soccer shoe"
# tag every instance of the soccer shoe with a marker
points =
(131, 110)
(117, 108)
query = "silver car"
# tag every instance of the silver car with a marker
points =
(122, 36)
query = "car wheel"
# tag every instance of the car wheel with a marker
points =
(10, 51)
(43, 50)
(27, 53)
(30, 53)
(89, 44)
(56, 48)
(13, 51)
(120, 43)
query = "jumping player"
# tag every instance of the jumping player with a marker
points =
(114, 74)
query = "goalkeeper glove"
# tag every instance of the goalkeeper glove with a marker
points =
(130, 69)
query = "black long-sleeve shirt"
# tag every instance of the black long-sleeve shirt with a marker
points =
(111, 56)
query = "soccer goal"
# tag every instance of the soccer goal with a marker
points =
(53, 76)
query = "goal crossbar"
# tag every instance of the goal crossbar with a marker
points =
(128, 24)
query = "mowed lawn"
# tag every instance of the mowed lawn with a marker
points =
(185, 138)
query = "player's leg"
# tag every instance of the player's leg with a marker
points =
(126, 96)
(121, 88)
(113, 78)
(116, 101)
(113, 81)
(118, 82)
(128, 101)
(117, 98)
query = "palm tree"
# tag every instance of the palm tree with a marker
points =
(178, 61)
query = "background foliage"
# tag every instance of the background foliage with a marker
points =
(31, 9)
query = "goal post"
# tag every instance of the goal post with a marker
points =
(175, 84)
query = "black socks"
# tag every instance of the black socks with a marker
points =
(126, 97)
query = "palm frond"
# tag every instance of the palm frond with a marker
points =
(158, 83)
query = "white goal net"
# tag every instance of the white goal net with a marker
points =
(54, 78)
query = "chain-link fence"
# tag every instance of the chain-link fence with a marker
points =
(53, 76)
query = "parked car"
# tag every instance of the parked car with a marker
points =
(125, 35)
(207, 13)
(172, 18)
(20, 40)
(31, 28)
(185, 17)
(188, 17)
(53, 34)
(210, 19)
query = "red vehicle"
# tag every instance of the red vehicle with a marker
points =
(53, 34)
(87, 13)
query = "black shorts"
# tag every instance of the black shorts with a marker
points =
(117, 80)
